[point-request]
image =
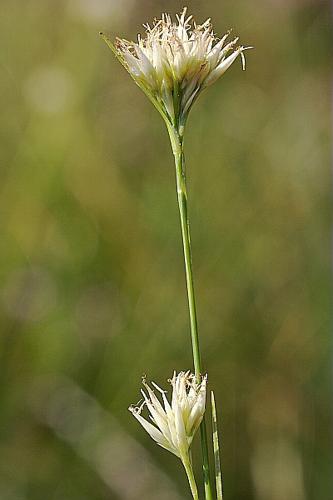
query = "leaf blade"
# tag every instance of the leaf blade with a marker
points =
(216, 449)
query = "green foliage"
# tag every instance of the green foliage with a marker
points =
(216, 450)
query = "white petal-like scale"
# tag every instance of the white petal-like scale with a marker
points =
(198, 409)
(151, 429)
(222, 67)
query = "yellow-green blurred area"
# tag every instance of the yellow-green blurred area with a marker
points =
(92, 286)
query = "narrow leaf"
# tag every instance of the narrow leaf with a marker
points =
(216, 448)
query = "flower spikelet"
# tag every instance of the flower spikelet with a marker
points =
(174, 423)
(176, 60)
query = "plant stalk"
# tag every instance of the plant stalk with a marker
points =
(190, 476)
(177, 148)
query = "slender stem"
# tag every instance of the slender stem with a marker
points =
(177, 148)
(190, 476)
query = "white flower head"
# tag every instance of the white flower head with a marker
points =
(174, 423)
(175, 61)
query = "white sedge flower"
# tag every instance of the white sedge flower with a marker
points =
(175, 61)
(174, 424)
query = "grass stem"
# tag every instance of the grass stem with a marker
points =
(178, 151)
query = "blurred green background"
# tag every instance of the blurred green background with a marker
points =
(92, 288)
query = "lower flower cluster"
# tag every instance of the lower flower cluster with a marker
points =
(174, 423)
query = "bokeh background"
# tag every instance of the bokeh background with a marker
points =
(92, 289)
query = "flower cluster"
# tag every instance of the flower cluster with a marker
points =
(174, 425)
(176, 61)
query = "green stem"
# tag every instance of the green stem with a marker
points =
(190, 476)
(177, 148)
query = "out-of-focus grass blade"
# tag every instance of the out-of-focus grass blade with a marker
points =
(216, 448)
